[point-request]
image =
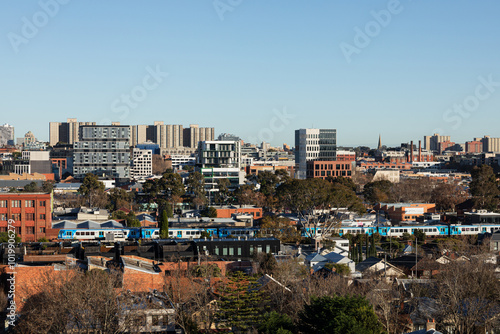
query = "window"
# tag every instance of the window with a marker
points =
(29, 204)
(3, 216)
(30, 216)
(42, 203)
(42, 216)
(3, 204)
(42, 230)
(30, 230)
(16, 204)
(18, 230)
(16, 216)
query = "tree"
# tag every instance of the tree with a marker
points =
(51, 308)
(280, 229)
(377, 191)
(210, 212)
(32, 187)
(4, 237)
(484, 188)
(344, 181)
(275, 322)
(195, 184)
(304, 197)
(419, 234)
(160, 165)
(266, 263)
(447, 195)
(163, 222)
(223, 193)
(47, 186)
(242, 305)
(132, 220)
(91, 187)
(119, 198)
(469, 295)
(339, 315)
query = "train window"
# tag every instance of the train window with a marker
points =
(170, 232)
(77, 233)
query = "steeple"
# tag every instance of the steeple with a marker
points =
(379, 142)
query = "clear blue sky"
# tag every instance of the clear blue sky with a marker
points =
(262, 58)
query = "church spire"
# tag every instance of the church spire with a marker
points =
(379, 142)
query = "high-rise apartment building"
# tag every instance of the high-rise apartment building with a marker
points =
(169, 136)
(490, 144)
(195, 134)
(142, 163)
(431, 143)
(102, 150)
(6, 135)
(314, 144)
(65, 132)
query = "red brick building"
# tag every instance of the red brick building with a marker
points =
(323, 169)
(32, 213)
(226, 212)
(474, 146)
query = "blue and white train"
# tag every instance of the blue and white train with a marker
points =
(398, 231)
(154, 233)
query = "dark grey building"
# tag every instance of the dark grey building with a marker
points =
(102, 150)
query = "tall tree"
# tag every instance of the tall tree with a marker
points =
(447, 195)
(339, 315)
(484, 188)
(195, 184)
(377, 191)
(163, 222)
(223, 194)
(91, 188)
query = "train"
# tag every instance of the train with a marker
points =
(251, 232)
(134, 233)
(398, 231)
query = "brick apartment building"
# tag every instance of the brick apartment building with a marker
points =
(32, 213)
(324, 169)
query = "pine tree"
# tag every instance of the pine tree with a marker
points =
(373, 249)
(164, 225)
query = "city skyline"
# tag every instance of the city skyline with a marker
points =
(259, 70)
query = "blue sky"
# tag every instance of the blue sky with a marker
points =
(258, 69)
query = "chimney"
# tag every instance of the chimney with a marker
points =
(411, 151)
(419, 151)
(430, 325)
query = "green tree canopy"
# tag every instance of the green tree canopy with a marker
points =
(339, 315)
(32, 187)
(377, 191)
(91, 187)
(484, 188)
